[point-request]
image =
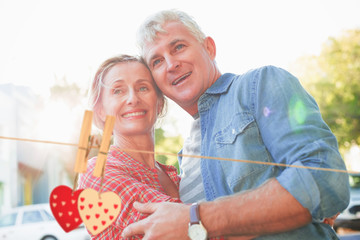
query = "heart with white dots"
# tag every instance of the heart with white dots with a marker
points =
(63, 204)
(98, 211)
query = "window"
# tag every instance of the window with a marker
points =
(31, 217)
(48, 215)
(8, 220)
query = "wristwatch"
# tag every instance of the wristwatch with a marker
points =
(196, 229)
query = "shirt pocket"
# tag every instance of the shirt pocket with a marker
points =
(240, 139)
(239, 122)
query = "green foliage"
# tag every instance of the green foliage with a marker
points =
(333, 78)
(167, 144)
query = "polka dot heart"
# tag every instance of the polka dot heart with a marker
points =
(98, 211)
(63, 204)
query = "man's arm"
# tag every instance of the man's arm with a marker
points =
(267, 209)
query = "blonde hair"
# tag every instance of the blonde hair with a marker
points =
(97, 84)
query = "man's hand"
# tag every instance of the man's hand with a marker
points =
(331, 220)
(166, 221)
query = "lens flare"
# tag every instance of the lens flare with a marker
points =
(297, 112)
(266, 111)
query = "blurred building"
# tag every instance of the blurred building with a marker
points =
(28, 171)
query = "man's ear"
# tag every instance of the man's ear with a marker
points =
(210, 47)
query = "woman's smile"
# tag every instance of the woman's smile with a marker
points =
(134, 114)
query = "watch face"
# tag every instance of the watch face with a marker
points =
(197, 232)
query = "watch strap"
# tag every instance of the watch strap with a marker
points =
(194, 214)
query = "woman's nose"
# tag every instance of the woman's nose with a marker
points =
(132, 98)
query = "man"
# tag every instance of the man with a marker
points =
(264, 116)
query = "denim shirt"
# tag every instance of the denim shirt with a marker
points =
(265, 115)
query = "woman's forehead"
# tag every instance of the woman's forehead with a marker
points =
(127, 73)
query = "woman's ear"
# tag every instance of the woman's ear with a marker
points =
(101, 113)
(210, 47)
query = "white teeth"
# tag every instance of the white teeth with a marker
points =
(180, 79)
(174, 83)
(134, 114)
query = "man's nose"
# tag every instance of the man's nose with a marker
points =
(172, 63)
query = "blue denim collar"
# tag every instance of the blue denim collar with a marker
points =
(221, 85)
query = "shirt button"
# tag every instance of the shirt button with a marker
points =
(233, 131)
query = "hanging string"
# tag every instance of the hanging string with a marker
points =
(41, 141)
(193, 156)
(241, 160)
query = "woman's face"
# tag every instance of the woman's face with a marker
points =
(129, 94)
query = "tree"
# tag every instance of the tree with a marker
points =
(167, 144)
(333, 78)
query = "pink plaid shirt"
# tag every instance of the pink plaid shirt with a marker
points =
(132, 181)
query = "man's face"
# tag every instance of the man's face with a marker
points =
(182, 67)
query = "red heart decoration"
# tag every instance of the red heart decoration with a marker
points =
(63, 204)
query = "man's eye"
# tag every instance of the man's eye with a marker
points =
(157, 61)
(179, 46)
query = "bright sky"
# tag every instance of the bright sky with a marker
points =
(44, 39)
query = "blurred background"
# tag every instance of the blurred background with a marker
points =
(49, 51)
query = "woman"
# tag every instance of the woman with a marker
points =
(123, 87)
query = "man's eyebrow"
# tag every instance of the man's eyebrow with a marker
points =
(171, 44)
(152, 57)
(174, 42)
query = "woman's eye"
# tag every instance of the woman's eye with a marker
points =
(143, 89)
(117, 91)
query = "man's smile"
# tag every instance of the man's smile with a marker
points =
(180, 79)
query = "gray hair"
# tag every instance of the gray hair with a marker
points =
(154, 24)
